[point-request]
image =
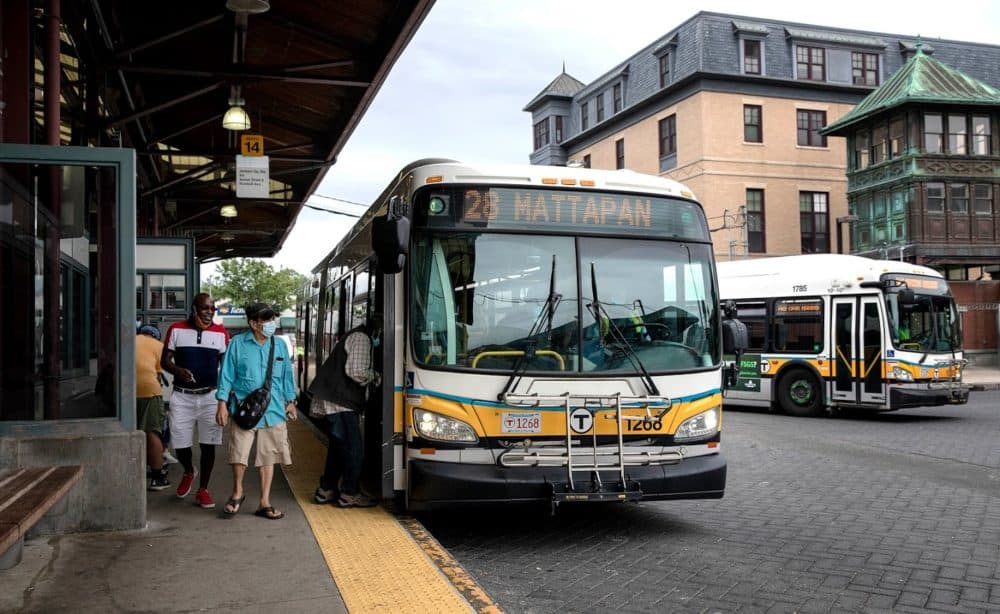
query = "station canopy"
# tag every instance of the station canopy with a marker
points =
(167, 73)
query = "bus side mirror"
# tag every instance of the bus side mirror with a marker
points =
(391, 243)
(735, 338)
(906, 297)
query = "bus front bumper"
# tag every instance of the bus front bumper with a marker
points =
(438, 484)
(949, 393)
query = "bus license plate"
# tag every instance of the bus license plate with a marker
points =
(521, 423)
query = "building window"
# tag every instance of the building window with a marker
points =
(559, 128)
(753, 127)
(957, 133)
(810, 63)
(983, 199)
(616, 97)
(959, 193)
(664, 70)
(668, 136)
(809, 124)
(864, 68)
(897, 137)
(586, 161)
(980, 135)
(861, 145)
(751, 57)
(542, 134)
(755, 221)
(814, 222)
(584, 116)
(599, 103)
(933, 133)
(935, 198)
(879, 146)
(620, 153)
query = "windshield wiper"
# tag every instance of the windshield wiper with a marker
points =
(546, 316)
(600, 313)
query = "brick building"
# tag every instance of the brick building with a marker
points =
(734, 107)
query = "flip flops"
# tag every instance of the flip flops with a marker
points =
(270, 513)
(234, 505)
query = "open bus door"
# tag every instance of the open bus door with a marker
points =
(858, 350)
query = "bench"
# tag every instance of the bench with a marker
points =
(25, 495)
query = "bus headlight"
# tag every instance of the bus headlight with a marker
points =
(902, 374)
(700, 426)
(430, 425)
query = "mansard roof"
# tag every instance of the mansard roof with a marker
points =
(563, 86)
(923, 80)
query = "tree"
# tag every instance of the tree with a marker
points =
(242, 281)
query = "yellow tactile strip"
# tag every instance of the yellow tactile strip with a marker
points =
(376, 564)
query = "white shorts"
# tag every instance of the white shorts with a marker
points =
(188, 409)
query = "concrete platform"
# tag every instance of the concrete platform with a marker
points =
(187, 560)
(318, 558)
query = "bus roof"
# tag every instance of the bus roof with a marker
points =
(816, 273)
(623, 180)
(446, 171)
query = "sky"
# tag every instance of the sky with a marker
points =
(458, 89)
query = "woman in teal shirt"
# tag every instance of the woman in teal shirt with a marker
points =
(243, 370)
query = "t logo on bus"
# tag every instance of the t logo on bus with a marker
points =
(581, 420)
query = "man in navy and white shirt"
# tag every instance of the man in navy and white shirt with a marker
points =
(192, 352)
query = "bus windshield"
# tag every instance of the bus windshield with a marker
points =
(491, 301)
(929, 322)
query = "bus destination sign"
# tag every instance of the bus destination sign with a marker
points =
(580, 211)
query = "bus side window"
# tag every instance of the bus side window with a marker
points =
(753, 314)
(780, 337)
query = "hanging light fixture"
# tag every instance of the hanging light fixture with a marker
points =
(236, 118)
(228, 211)
(248, 6)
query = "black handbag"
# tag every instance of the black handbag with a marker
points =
(250, 410)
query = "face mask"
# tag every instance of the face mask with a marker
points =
(138, 323)
(268, 328)
(377, 341)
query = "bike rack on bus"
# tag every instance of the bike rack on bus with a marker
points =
(600, 459)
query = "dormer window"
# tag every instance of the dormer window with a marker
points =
(810, 63)
(665, 60)
(864, 68)
(752, 56)
(751, 39)
(664, 70)
(616, 98)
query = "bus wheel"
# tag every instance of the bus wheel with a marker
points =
(799, 394)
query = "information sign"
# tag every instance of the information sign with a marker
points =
(252, 177)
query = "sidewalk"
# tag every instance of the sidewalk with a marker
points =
(188, 559)
(318, 558)
(982, 378)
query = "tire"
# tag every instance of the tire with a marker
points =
(799, 394)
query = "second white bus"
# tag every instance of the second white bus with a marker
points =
(837, 331)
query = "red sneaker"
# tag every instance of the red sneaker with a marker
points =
(204, 499)
(186, 482)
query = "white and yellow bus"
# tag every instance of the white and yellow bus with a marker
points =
(551, 334)
(836, 331)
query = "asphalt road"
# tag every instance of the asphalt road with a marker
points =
(896, 512)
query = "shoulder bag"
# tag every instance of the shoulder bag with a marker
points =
(250, 410)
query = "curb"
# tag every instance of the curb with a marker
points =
(981, 387)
